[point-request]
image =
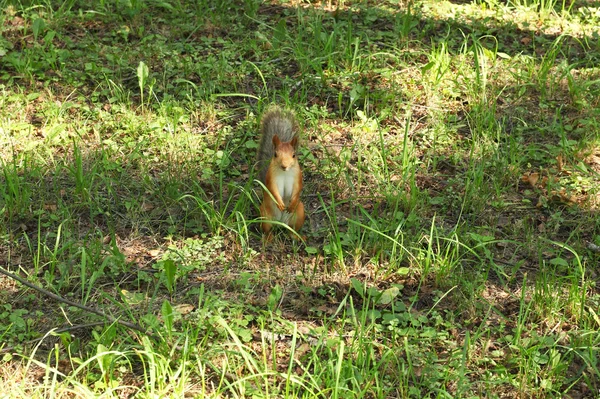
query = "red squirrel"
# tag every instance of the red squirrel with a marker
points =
(280, 171)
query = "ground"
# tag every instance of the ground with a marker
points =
(451, 157)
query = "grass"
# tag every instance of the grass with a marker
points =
(451, 154)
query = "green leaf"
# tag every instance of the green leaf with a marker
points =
(251, 144)
(104, 357)
(37, 26)
(436, 200)
(399, 307)
(480, 238)
(169, 269)
(427, 67)
(559, 262)
(358, 286)
(142, 74)
(311, 250)
(428, 333)
(388, 295)
(168, 317)
(274, 297)
(245, 334)
(373, 293)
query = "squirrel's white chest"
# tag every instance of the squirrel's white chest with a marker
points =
(284, 181)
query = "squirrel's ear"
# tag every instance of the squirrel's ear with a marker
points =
(276, 141)
(294, 141)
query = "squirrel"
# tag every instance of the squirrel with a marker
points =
(280, 171)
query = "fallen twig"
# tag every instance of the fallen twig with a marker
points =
(55, 331)
(109, 318)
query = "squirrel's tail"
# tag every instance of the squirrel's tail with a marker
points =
(275, 121)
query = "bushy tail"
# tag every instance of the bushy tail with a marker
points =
(275, 121)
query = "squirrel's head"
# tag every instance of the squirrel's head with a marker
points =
(284, 153)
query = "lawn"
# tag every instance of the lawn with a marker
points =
(451, 160)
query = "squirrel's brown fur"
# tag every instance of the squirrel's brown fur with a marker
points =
(280, 171)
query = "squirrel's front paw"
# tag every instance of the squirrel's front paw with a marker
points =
(281, 206)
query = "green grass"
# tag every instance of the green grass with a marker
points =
(451, 154)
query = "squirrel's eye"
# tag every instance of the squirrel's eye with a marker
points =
(294, 155)
(275, 154)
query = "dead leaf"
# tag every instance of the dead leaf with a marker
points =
(50, 207)
(132, 298)
(302, 329)
(540, 203)
(301, 350)
(559, 162)
(530, 178)
(542, 228)
(593, 161)
(155, 253)
(184, 308)
(526, 41)
(565, 197)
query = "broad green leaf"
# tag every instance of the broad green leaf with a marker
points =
(358, 286)
(142, 74)
(388, 295)
(37, 27)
